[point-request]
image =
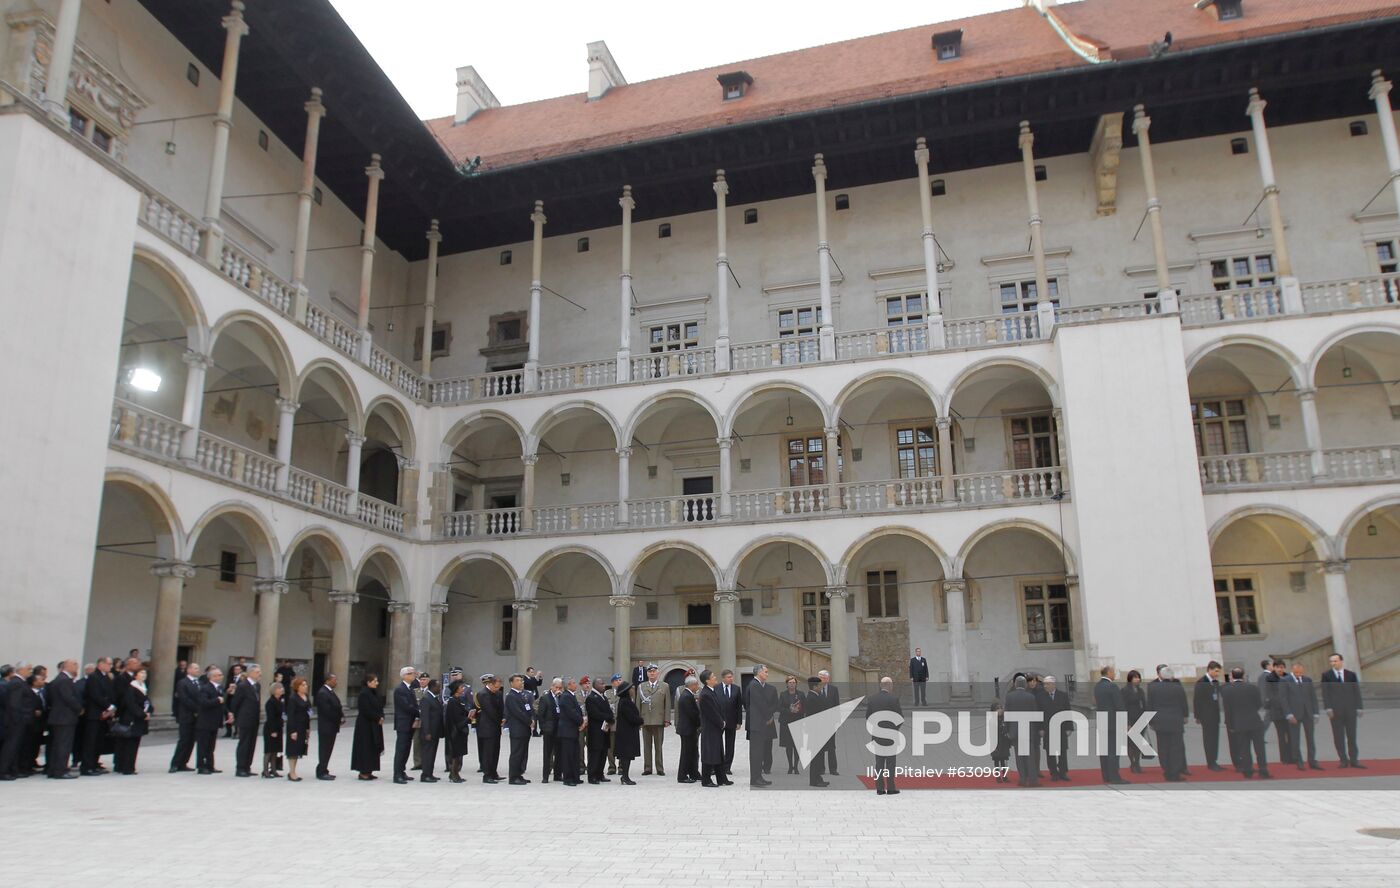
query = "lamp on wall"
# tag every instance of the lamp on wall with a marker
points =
(1346, 365)
(1371, 529)
(788, 564)
(789, 416)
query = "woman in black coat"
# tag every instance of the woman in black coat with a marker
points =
(1134, 704)
(457, 724)
(627, 742)
(369, 730)
(790, 706)
(711, 734)
(298, 726)
(134, 712)
(273, 731)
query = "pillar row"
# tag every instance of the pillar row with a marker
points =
(269, 592)
(236, 28)
(340, 639)
(306, 195)
(1334, 578)
(728, 644)
(840, 649)
(622, 631)
(191, 413)
(165, 634)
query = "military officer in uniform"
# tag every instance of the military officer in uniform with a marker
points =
(654, 702)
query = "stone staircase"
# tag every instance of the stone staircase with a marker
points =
(1377, 644)
(700, 644)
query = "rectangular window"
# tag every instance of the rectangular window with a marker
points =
(768, 599)
(78, 122)
(228, 567)
(1034, 443)
(906, 311)
(1220, 426)
(816, 619)
(807, 460)
(746, 607)
(1019, 296)
(561, 613)
(1242, 272)
(799, 324)
(653, 610)
(916, 451)
(1236, 605)
(102, 139)
(673, 337)
(1047, 612)
(882, 593)
(507, 628)
(1388, 262)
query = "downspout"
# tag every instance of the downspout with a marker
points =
(1076, 44)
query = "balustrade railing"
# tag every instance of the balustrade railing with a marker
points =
(1245, 469)
(1363, 292)
(1362, 463)
(585, 374)
(377, 513)
(754, 505)
(330, 329)
(393, 371)
(481, 523)
(583, 516)
(673, 510)
(1023, 326)
(889, 496)
(908, 339)
(1225, 306)
(236, 463)
(668, 365)
(986, 488)
(165, 218)
(143, 429)
(1139, 308)
(486, 387)
(785, 351)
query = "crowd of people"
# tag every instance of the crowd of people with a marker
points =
(594, 730)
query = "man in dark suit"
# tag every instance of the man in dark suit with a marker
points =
(490, 713)
(430, 726)
(731, 703)
(831, 698)
(813, 702)
(1276, 705)
(547, 725)
(99, 705)
(1053, 701)
(1166, 699)
(519, 718)
(1205, 704)
(761, 707)
(1021, 699)
(884, 700)
(1108, 698)
(918, 676)
(186, 709)
(285, 673)
(1341, 698)
(639, 673)
(599, 720)
(210, 716)
(121, 679)
(21, 709)
(688, 729)
(64, 710)
(330, 715)
(405, 722)
(568, 725)
(247, 715)
(1241, 702)
(1302, 703)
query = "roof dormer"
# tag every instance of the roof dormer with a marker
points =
(735, 84)
(947, 45)
(1224, 10)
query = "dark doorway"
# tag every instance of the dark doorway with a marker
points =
(676, 679)
(698, 486)
(700, 490)
(379, 475)
(318, 673)
(697, 614)
(184, 652)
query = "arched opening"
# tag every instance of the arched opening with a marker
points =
(674, 467)
(379, 582)
(1358, 401)
(231, 550)
(247, 376)
(890, 424)
(1372, 549)
(479, 628)
(317, 573)
(135, 532)
(896, 581)
(160, 323)
(574, 620)
(326, 414)
(786, 581)
(388, 442)
(1246, 417)
(482, 456)
(1005, 435)
(576, 475)
(674, 586)
(787, 463)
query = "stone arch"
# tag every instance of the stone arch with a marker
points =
(1360, 514)
(732, 571)
(196, 323)
(543, 562)
(403, 425)
(277, 347)
(727, 429)
(855, 548)
(398, 577)
(1341, 336)
(1291, 361)
(940, 408)
(1035, 527)
(449, 571)
(1052, 387)
(1321, 543)
(557, 413)
(339, 561)
(459, 430)
(630, 575)
(158, 508)
(354, 412)
(253, 525)
(629, 428)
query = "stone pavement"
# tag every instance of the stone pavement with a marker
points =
(167, 829)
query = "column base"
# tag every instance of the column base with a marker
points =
(530, 376)
(1292, 295)
(937, 335)
(723, 360)
(624, 365)
(300, 299)
(212, 247)
(826, 342)
(366, 346)
(1045, 314)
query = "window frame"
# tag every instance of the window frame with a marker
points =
(505, 630)
(820, 608)
(1222, 418)
(1231, 594)
(913, 426)
(1045, 603)
(1030, 416)
(785, 454)
(887, 577)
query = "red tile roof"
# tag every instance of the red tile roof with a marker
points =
(1000, 44)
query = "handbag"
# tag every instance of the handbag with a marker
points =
(120, 730)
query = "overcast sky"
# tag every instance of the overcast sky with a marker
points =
(537, 50)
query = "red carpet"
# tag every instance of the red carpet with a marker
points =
(1283, 777)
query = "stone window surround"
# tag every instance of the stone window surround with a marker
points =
(1044, 580)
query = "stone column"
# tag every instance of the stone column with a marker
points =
(286, 413)
(400, 613)
(624, 482)
(65, 39)
(1312, 431)
(827, 342)
(833, 475)
(728, 645)
(1255, 110)
(934, 311)
(1334, 578)
(191, 413)
(622, 631)
(1057, 417)
(340, 640)
(306, 195)
(223, 123)
(840, 650)
(355, 444)
(1141, 124)
(524, 630)
(722, 359)
(955, 607)
(726, 477)
(430, 298)
(624, 341)
(532, 359)
(1380, 94)
(949, 491)
(436, 611)
(375, 174)
(269, 592)
(1043, 307)
(165, 634)
(527, 492)
(1078, 627)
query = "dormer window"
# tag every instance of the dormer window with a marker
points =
(947, 45)
(735, 84)
(1225, 10)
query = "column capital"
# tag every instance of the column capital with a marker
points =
(313, 106)
(354, 439)
(1336, 567)
(434, 235)
(944, 423)
(374, 171)
(725, 442)
(524, 604)
(819, 168)
(438, 608)
(399, 607)
(721, 186)
(834, 593)
(621, 600)
(233, 22)
(1256, 102)
(1071, 579)
(624, 452)
(271, 586)
(955, 585)
(341, 596)
(626, 201)
(538, 216)
(1027, 138)
(529, 459)
(1141, 122)
(1306, 394)
(1379, 85)
(726, 596)
(287, 405)
(195, 359)
(921, 154)
(182, 569)
(832, 431)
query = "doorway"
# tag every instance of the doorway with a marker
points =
(697, 615)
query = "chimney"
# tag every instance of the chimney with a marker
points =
(473, 95)
(603, 72)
